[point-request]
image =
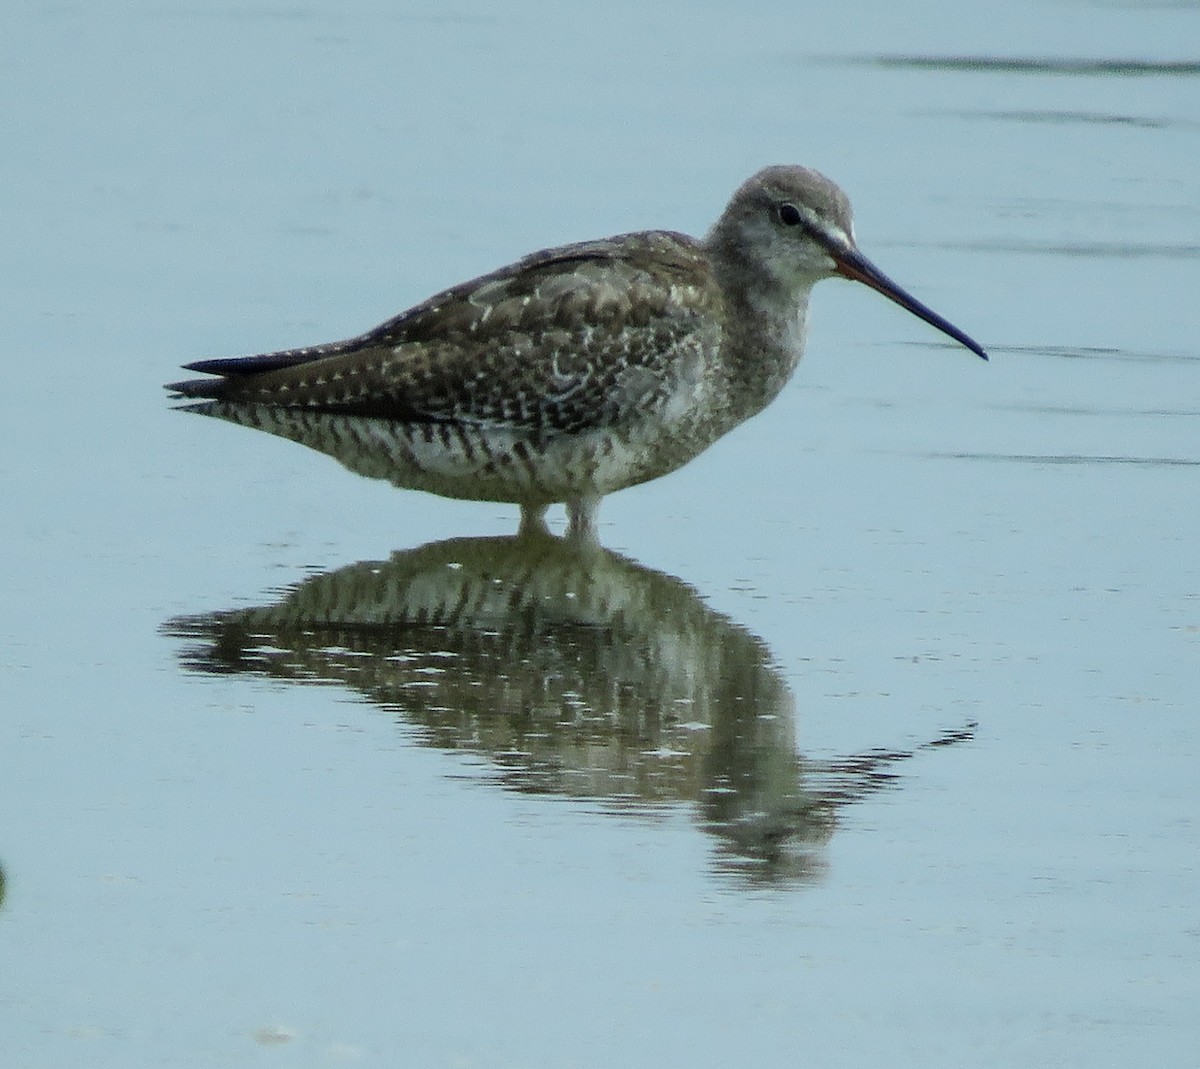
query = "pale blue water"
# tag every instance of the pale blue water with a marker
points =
(875, 738)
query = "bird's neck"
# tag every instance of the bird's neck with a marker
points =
(766, 328)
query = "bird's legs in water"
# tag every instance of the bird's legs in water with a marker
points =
(533, 522)
(581, 520)
(581, 516)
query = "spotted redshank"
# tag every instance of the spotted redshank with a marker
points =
(576, 371)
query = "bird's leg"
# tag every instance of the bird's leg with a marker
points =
(581, 516)
(533, 522)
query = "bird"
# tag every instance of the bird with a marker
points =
(576, 371)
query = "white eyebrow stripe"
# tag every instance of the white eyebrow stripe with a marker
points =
(831, 236)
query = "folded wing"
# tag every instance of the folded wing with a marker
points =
(565, 339)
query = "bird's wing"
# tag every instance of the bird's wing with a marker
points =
(558, 341)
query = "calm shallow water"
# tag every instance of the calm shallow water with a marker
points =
(870, 734)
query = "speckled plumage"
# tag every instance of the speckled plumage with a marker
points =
(574, 372)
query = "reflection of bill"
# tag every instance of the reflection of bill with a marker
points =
(574, 671)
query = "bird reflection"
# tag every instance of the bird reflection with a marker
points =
(574, 671)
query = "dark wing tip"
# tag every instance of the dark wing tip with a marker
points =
(230, 370)
(232, 366)
(210, 388)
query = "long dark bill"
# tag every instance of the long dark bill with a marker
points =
(854, 265)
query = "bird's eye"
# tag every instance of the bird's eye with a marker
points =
(789, 214)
